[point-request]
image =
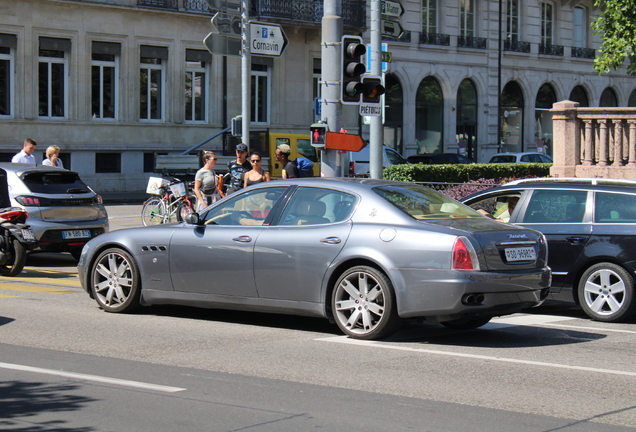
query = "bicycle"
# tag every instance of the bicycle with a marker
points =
(174, 204)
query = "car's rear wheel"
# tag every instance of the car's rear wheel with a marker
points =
(467, 323)
(115, 281)
(153, 212)
(363, 303)
(606, 292)
(17, 259)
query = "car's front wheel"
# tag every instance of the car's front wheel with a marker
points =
(115, 281)
(363, 303)
(606, 292)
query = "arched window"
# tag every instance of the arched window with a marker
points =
(512, 118)
(467, 119)
(632, 99)
(578, 94)
(393, 113)
(429, 116)
(546, 97)
(608, 98)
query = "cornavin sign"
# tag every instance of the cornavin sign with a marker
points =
(267, 39)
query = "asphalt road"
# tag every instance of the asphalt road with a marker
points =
(65, 365)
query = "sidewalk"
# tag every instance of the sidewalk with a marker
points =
(113, 198)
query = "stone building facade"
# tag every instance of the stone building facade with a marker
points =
(115, 82)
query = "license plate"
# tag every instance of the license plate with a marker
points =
(521, 254)
(28, 235)
(76, 234)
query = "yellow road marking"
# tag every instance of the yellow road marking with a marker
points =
(54, 277)
(35, 289)
(7, 296)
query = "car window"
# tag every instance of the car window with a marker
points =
(556, 206)
(500, 207)
(315, 206)
(305, 149)
(503, 159)
(249, 208)
(54, 182)
(394, 157)
(614, 208)
(545, 159)
(423, 203)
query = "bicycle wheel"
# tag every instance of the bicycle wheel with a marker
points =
(184, 209)
(153, 212)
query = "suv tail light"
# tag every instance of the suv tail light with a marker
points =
(28, 200)
(464, 256)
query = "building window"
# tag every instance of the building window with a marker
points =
(608, 98)
(8, 43)
(196, 84)
(107, 162)
(511, 113)
(579, 24)
(317, 86)
(429, 116)
(578, 94)
(105, 73)
(467, 18)
(546, 24)
(149, 162)
(52, 77)
(429, 16)
(152, 82)
(512, 21)
(260, 94)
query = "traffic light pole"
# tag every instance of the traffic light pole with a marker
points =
(376, 132)
(330, 86)
(246, 71)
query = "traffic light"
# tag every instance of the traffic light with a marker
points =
(373, 89)
(318, 134)
(351, 86)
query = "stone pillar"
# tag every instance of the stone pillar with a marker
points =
(617, 143)
(632, 143)
(566, 150)
(588, 157)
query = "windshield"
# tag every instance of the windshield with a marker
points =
(54, 182)
(422, 203)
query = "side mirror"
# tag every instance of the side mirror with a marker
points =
(193, 219)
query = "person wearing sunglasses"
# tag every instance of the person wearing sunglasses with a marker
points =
(206, 181)
(256, 174)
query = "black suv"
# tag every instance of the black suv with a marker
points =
(590, 225)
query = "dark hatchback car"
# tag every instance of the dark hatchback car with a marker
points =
(439, 158)
(590, 225)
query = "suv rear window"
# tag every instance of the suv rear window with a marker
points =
(54, 182)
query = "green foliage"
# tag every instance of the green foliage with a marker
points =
(616, 24)
(460, 173)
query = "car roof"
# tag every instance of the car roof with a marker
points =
(21, 168)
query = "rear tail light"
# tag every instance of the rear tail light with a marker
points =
(28, 200)
(464, 256)
(99, 199)
(352, 168)
(17, 216)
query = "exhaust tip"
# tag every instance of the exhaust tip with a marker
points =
(475, 299)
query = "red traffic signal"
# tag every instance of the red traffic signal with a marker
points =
(318, 132)
(373, 89)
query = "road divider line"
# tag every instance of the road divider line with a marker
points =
(35, 289)
(372, 344)
(94, 378)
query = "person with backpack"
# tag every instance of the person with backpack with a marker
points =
(299, 168)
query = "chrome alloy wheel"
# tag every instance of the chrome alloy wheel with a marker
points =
(606, 292)
(363, 303)
(114, 281)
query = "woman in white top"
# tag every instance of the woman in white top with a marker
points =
(205, 181)
(53, 157)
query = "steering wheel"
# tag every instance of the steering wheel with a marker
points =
(214, 220)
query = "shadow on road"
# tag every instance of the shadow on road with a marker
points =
(22, 402)
(50, 259)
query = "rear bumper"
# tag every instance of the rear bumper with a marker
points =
(435, 295)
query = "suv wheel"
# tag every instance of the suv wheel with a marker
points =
(606, 292)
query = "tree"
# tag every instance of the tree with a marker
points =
(616, 25)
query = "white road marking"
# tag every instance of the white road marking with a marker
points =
(95, 378)
(347, 341)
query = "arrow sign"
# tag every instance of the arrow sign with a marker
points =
(226, 24)
(391, 9)
(267, 39)
(391, 28)
(223, 44)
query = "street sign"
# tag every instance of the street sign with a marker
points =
(370, 109)
(385, 66)
(391, 9)
(223, 23)
(391, 28)
(267, 39)
(223, 44)
(231, 6)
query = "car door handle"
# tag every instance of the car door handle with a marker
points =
(242, 239)
(331, 240)
(575, 240)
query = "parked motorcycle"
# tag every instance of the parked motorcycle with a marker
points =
(15, 240)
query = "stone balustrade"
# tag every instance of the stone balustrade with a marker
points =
(593, 142)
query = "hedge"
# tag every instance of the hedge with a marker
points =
(461, 173)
